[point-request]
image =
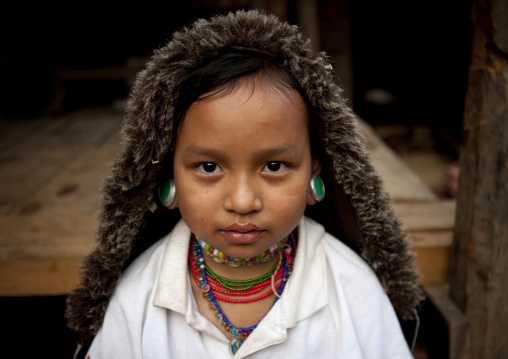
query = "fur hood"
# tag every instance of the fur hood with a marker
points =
(357, 208)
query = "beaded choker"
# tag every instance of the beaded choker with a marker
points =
(213, 284)
(220, 257)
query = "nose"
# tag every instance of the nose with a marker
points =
(243, 195)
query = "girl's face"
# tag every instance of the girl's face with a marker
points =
(242, 166)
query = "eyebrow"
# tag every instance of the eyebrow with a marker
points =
(195, 150)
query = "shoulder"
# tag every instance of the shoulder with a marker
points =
(142, 278)
(357, 301)
(350, 280)
(126, 310)
(341, 258)
(144, 270)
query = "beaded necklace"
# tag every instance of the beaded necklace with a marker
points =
(210, 282)
(220, 257)
(236, 287)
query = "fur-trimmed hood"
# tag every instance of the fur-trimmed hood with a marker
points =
(357, 208)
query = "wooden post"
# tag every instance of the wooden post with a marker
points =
(479, 263)
(307, 19)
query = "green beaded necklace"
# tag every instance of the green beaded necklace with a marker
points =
(238, 285)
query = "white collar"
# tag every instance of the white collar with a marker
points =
(172, 284)
(305, 292)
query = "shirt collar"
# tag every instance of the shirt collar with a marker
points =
(307, 289)
(172, 284)
(305, 292)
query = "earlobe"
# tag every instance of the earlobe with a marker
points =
(310, 201)
(174, 204)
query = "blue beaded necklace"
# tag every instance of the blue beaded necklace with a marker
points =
(236, 340)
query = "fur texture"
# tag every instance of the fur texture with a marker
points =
(132, 219)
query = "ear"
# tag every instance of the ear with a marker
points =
(316, 165)
(316, 170)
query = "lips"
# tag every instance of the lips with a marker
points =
(242, 233)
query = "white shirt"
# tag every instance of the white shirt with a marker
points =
(333, 306)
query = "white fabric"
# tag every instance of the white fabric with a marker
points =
(333, 306)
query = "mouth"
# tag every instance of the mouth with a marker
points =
(242, 233)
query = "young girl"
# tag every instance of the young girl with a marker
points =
(236, 136)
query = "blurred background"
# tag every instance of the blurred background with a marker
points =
(65, 66)
(398, 61)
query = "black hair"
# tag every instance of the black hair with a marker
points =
(225, 72)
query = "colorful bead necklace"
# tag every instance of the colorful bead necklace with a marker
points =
(210, 282)
(220, 257)
(236, 287)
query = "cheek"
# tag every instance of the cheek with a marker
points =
(290, 200)
(191, 199)
(198, 204)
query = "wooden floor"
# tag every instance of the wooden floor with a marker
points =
(51, 171)
(50, 174)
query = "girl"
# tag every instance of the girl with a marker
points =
(233, 134)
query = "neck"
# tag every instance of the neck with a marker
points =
(235, 270)
(241, 272)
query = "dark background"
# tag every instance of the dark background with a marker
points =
(417, 51)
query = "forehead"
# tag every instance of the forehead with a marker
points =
(250, 113)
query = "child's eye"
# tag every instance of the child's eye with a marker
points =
(274, 166)
(209, 167)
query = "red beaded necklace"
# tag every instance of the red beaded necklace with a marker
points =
(203, 277)
(247, 288)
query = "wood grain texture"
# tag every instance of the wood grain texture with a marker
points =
(479, 273)
(400, 181)
(51, 173)
(455, 320)
(39, 277)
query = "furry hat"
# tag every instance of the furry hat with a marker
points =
(357, 208)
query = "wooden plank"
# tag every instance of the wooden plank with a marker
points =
(48, 246)
(454, 318)
(66, 208)
(30, 164)
(430, 226)
(26, 171)
(88, 127)
(49, 199)
(38, 223)
(402, 183)
(77, 186)
(14, 134)
(436, 215)
(433, 264)
(39, 277)
(431, 239)
(426, 220)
